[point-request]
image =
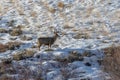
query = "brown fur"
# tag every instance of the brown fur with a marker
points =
(47, 40)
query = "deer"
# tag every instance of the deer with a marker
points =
(47, 40)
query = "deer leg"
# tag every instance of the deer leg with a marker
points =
(39, 45)
(49, 46)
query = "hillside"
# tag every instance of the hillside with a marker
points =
(85, 29)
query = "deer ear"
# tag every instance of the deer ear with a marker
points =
(55, 30)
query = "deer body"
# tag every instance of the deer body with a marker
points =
(47, 41)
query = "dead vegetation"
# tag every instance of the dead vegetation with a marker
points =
(83, 35)
(2, 30)
(13, 45)
(111, 62)
(3, 48)
(61, 5)
(16, 31)
(51, 9)
(68, 26)
(9, 71)
(25, 38)
(10, 46)
(74, 56)
(11, 23)
(20, 55)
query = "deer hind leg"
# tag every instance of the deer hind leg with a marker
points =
(49, 46)
(39, 45)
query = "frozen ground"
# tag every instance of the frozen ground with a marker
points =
(85, 26)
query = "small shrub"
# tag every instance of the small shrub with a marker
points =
(82, 35)
(28, 53)
(3, 30)
(3, 48)
(26, 38)
(6, 69)
(18, 72)
(11, 23)
(13, 45)
(13, 38)
(33, 14)
(87, 54)
(59, 59)
(51, 10)
(9, 46)
(67, 26)
(6, 77)
(16, 31)
(111, 61)
(74, 56)
(20, 55)
(7, 61)
(61, 5)
(49, 50)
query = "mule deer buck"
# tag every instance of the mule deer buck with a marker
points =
(47, 40)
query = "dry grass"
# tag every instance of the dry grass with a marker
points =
(68, 26)
(6, 77)
(11, 23)
(3, 30)
(23, 54)
(16, 31)
(33, 14)
(26, 38)
(74, 56)
(3, 48)
(13, 45)
(84, 35)
(61, 5)
(8, 71)
(9, 46)
(111, 62)
(51, 10)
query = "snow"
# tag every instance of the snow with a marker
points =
(92, 16)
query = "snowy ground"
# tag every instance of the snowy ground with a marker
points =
(83, 25)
